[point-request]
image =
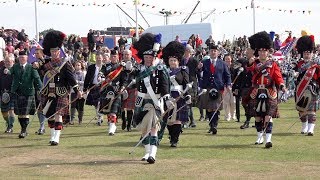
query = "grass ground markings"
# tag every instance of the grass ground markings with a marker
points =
(90, 153)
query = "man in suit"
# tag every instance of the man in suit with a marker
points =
(216, 77)
(25, 81)
(94, 77)
(189, 61)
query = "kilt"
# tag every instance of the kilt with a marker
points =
(272, 108)
(62, 102)
(194, 94)
(139, 114)
(129, 103)
(24, 105)
(5, 107)
(104, 107)
(313, 105)
(208, 103)
(182, 114)
(93, 97)
(245, 98)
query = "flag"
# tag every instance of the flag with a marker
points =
(284, 50)
(32, 57)
(62, 53)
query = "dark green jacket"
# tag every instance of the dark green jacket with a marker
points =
(25, 84)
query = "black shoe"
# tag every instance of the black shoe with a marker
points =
(201, 119)
(310, 134)
(99, 123)
(41, 131)
(129, 128)
(22, 135)
(192, 125)
(111, 134)
(9, 131)
(53, 143)
(214, 131)
(174, 144)
(257, 143)
(210, 130)
(244, 126)
(151, 160)
(268, 145)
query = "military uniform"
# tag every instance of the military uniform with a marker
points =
(153, 86)
(110, 99)
(263, 95)
(307, 89)
(58, 81)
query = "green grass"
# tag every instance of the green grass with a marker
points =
(89, 153)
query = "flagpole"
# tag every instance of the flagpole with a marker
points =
(136, 8)
(36, 20)
(254, 16)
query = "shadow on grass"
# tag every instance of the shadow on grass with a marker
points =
(85, 163)
(85, 134)
(118, 144)
(286, 134)
(25, 146)
(215, 146)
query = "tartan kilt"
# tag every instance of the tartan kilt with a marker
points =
(272, 108)
(139, 113)
(314, 103)
(194, 94)
(129, 103)
(115, 105)
(93, 97)
(5, 107)
(182, 114)
(245, 98)
(24, 105)
(61, 101)
(208, 103)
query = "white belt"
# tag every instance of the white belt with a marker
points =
(178, 88)
(147, 96)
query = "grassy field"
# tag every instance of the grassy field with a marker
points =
(89, 153)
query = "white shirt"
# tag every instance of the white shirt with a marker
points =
(96, 73)
(213, 61)
(24, 65)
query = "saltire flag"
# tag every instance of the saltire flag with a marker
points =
(284, 50)
(62, 53)
(32, 57)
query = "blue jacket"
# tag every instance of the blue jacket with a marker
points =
(219, 79)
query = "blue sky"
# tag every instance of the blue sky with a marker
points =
(80, 19)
